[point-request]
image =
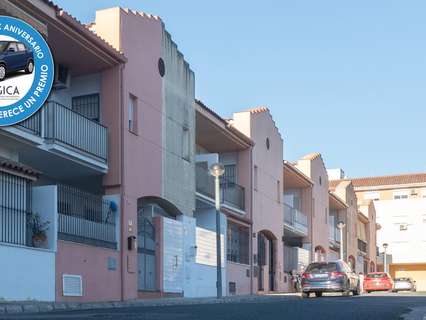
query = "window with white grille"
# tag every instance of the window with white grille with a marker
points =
(72, 285)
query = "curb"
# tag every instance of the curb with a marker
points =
(43, 307)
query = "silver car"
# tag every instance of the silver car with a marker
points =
(404, 284)
(335, 276)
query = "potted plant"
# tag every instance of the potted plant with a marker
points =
(38, 230)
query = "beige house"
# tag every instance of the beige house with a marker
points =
(400, 204)
(312, 165)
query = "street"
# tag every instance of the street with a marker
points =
(370, 306)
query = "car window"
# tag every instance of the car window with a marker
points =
(3, 45)
(322, 267)
(13, 46)
(21, 46)
(376, 275)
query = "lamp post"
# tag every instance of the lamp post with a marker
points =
(340, 226)
(385, 247)
(217, 170)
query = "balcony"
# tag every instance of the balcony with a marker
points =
(86, 218)
(295, 221)
(232, 194)
(362, 246)
(60, 130)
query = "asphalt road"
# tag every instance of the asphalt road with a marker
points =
(373, 306)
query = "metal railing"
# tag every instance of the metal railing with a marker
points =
(362, 246)
(32, 124)
(69, 127)
(85, 218)
(296, 219)
(57, 123)
(15, 208)
(231, 193)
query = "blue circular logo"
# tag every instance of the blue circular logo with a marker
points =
(26, 71)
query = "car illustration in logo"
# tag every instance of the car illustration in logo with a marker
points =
(15, 56)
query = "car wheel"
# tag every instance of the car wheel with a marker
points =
(305, 295)
(30, 67)
(318, 294)
(2, 72)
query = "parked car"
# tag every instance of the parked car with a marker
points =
(15, 56)
(404, 284)
(336, 276)
(377, 281)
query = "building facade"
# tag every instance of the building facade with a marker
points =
(53, 168)
(267, 192)
(400, 204)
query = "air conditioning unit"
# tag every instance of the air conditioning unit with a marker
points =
(62, 77)
(403, 227)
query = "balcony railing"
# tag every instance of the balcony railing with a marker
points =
(86, 218)
(231, 193)
(57, 123)
(362, 246)
(295, 219)
(32, 124)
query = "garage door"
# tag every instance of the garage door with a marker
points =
(415, 271)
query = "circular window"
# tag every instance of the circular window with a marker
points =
(161, 67)
(268, 144)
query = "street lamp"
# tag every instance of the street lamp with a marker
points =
(385, 247)
(217, 170)
(340, 226)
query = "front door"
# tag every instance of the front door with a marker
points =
(146, 254)
(271, 266)
(261, 259)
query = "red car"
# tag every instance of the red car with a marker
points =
(377, 281)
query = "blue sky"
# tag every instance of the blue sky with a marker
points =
(344, 78)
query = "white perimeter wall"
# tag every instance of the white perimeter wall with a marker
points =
(29, 273)
(200, 267)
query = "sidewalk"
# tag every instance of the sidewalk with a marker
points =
(36, 307)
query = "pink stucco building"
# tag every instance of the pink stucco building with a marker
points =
(267, 194)
(153, 168)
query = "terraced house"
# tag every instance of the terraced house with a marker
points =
(114, 173)
(54, 167)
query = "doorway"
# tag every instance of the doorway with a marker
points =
(266, 261)
(146, 254)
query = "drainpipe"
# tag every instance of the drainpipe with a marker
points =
(251, 225)
(122, 199)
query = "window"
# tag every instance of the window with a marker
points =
(397, 195)
(326, 215)
(12, 47)
(87, 105)
(20, 46)
(186, 149)
(230, 175)
(320, 180)
(372, 196)
(278, 191)
(133, 114)
(238, 243)
(255, 178)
